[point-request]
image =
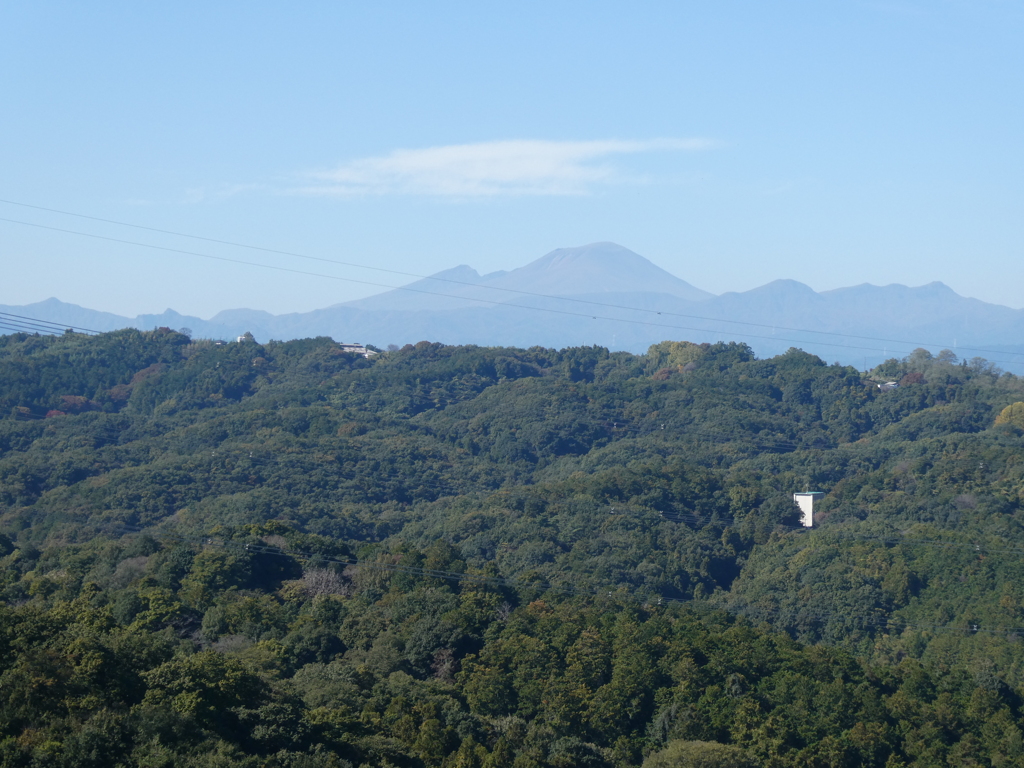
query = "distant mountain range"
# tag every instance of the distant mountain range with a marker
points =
(608, 295)
(598, 268)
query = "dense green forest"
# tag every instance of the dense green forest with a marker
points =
(465, 557)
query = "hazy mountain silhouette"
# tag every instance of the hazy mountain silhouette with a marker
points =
(608, 295)
(590, 269)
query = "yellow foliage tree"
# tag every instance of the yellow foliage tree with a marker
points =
(1012, 414)
(673, 355)
(699, 754)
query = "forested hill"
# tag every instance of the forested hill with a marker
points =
(289, 555)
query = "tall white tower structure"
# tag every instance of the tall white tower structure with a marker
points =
(805, 501)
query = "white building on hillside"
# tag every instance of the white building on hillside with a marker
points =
(357, 349)
(806, 501)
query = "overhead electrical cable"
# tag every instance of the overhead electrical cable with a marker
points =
(15, 327)
(22, 325)
(42, 325)
(417, 290)
(607, 305)
(50, 322)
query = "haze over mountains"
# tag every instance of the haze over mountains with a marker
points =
(598, 268)
(607, 295)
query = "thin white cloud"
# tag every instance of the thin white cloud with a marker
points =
(490, 168)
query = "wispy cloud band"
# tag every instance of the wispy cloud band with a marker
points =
(520, 167)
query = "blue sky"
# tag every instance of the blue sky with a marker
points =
(731, 143)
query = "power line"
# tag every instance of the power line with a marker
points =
(31, 324)
(29, 330)
(49, 323)
(14, 325)
(606, 305)
(417, 290)
(13, 328)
